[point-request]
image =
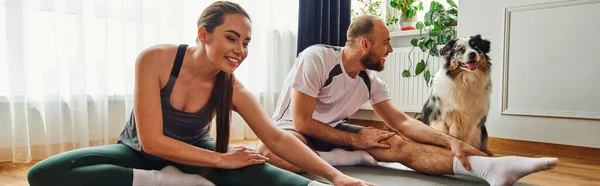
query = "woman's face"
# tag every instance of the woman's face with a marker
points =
(227, 46)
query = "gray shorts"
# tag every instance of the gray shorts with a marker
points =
(320, 145)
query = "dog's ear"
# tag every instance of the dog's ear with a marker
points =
(446, 49)
(485, 46)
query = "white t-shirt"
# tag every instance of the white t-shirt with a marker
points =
(319, 72)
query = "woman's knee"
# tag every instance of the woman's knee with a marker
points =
(44, 172)
(55, 167)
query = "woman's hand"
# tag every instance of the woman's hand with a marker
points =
(239, 157)
(344, 180)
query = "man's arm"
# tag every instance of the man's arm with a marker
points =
(409, 127)
(303, 107)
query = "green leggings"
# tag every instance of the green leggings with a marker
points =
(113, 165)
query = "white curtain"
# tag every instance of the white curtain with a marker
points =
(67, 66)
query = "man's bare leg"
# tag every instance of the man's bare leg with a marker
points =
(436, 160)
(422, 158)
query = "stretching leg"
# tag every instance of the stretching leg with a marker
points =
(101, 165)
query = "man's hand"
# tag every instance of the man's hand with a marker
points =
(370, 137)
(344, 180)
(461, 150)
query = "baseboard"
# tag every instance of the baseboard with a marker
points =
(39, 152)
(541, 148)
(521, 147)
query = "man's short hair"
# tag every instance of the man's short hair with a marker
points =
(361, 26)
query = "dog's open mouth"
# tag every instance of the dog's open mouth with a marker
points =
(471, 65)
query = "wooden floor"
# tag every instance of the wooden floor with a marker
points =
(570, 171)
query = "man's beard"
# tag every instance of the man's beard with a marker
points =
(370, 62)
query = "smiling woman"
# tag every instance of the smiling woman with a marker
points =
(71, 86)
(178, 90)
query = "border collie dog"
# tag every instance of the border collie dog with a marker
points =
(460, 95)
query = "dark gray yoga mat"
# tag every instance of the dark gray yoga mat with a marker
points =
(392, 174)
(396, 174)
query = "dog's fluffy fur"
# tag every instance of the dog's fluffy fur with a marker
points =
(460, 96)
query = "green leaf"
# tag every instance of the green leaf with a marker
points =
(432, 45)
(414, 41)
(393, 4)
(447, 37)
(405, 73)
(451, 3)
(420, 25)
(428, 43)
(435, 17)
(434, 52)
(437, 25)
(428, 18)
(427, 76)
(439, 6)
(435, 32)
(423, 45)
(432, 5)
(420, 42)
(420, 68)
(440, 39)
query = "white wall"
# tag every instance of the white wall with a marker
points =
(554, 78)
(552, 51)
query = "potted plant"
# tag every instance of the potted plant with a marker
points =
(408, 11)
(441, 23)
(369, 7)
(391, 20)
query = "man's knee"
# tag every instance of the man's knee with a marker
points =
(395, 141)
(397, 150)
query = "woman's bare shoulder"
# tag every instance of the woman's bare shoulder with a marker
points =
(156, 61)
(157, 55)
(157, 58)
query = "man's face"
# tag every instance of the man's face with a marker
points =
(374, 59)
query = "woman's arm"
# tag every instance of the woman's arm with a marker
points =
(280, 142)
(149, 121)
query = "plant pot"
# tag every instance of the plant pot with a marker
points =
(394, 26)
(408, 24)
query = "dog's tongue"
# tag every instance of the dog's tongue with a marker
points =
(471, 65)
